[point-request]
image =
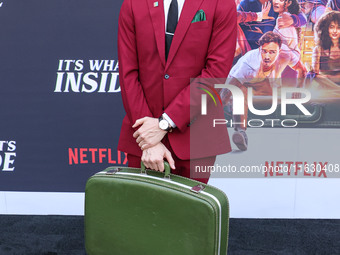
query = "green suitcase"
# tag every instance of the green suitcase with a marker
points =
(131, 211)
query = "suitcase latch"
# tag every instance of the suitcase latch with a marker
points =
(113, 171)
(198, 188)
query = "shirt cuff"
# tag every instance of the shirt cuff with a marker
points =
(167, 118)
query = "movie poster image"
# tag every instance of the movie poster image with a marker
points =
(282, 96)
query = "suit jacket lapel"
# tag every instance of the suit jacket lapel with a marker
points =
(158, 22)
(188, 13)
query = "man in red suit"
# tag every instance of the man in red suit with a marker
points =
(159, 53)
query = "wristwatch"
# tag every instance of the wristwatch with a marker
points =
(164, 124)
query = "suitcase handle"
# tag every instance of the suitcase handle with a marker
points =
(166, 169)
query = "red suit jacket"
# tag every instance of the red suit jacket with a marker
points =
(150, 85)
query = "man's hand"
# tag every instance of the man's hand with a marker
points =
(154, 156)
(149, 134)
(285, 20)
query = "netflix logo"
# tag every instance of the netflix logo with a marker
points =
(96, 155)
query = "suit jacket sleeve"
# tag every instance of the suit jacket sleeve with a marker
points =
(246, 16)
(220, 54)
(134, 100)
(299, 20)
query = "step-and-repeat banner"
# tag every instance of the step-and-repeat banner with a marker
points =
(60, 102)
(61, 107)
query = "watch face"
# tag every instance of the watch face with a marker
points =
(163, 124)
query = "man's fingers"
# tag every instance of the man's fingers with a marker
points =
(139, 139)
(150, 162)
(156, 164)
(145, 146)
(144, 142)
(138, 135)
(143, 158)
(138, 122)
(153, 166)
(153, 158)
(135, 134)
(160, 166)
(146, 164)
(170, 160)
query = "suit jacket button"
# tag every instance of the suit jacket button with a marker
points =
(166, 76)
